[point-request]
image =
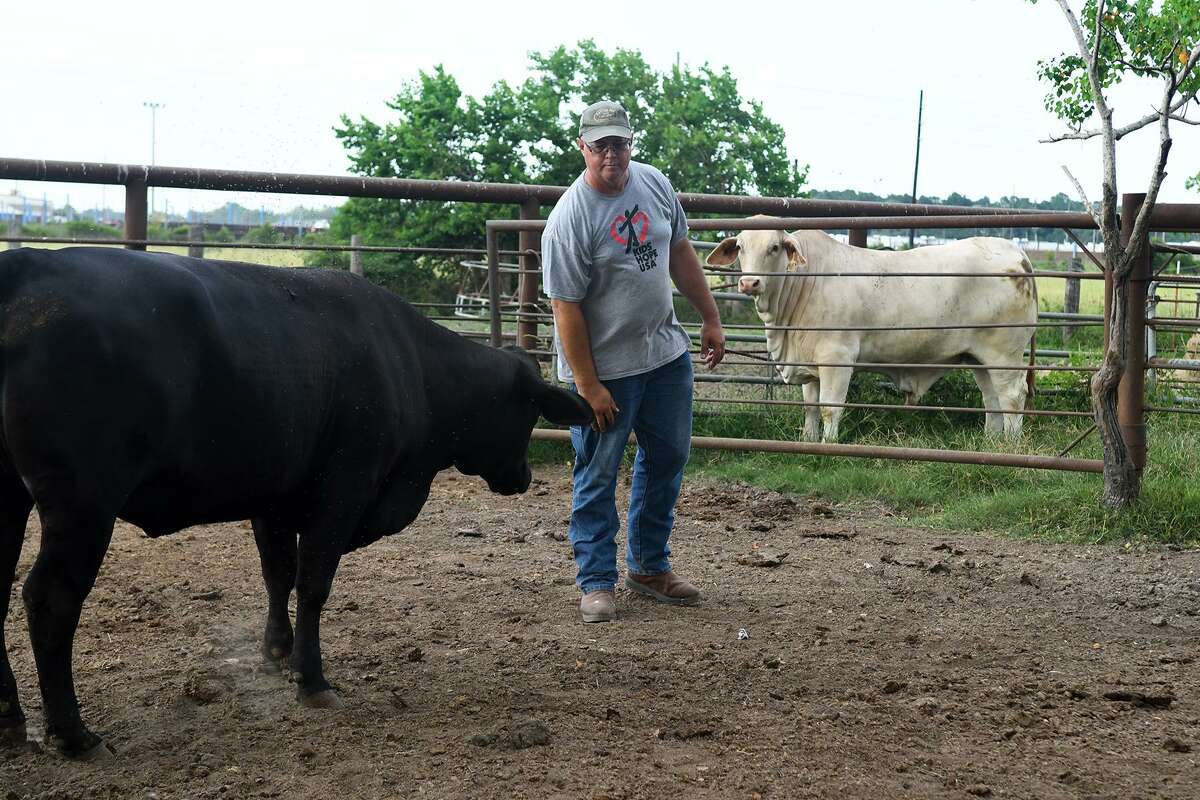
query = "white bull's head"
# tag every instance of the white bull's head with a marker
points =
(759, 252)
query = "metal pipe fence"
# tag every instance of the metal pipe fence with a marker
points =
(792, 213)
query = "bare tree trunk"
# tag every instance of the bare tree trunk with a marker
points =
(1122, 478)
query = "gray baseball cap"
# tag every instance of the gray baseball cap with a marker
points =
(605, 118)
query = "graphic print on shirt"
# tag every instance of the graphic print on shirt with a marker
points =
(631, 229)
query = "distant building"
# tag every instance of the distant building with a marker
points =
(27, 209)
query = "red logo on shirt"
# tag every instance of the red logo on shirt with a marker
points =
(628, 223)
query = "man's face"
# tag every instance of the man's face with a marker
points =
(607, 160)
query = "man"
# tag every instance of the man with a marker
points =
(611, 248)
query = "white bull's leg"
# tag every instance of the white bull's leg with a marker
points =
(835, 382)
(812, 414)
(1010, 393)
(994, 423)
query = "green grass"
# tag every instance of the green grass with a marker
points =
(1046, 504)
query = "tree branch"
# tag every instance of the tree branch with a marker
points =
(1125, 130)
(1095, 59)
(1160, 168)
(1136, 70)
(1087, 204)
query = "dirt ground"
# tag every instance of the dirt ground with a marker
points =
(877, 662)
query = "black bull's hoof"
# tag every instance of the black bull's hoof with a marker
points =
(12, 733)
(86, 747)
(326, 698)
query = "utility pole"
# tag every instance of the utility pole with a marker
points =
(917, 161)
(154, 107)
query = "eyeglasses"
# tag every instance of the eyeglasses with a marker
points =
(614, 145)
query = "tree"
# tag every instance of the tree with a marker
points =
(693, 124)
(1116, 40)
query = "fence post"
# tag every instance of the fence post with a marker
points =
(493, 258)
(527, 283)
(1071, 297)
(195, 237)
(14, 230)
(1131, 391)
(135, 211)
(356, 255)
(858, 237)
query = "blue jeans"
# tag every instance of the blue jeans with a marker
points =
(657, 407)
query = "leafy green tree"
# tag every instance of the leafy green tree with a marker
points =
(1115, 41)
(263, 234)
(693, 124)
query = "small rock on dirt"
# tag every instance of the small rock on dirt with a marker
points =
(473, 533)
(415, 655)
(1159, 622)
(926, 705)
(980, 790)
(1175, 746)
(772, 662)
(529, 734)
(761, 558)
(484, 739)
(1140, 699)
(891, 687)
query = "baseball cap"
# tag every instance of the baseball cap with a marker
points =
(605, 118)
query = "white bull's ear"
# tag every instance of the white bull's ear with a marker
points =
(724, 255)
(795, 257)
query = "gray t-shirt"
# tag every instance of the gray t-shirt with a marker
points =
(610, 254)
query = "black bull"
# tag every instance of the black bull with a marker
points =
(169, 391)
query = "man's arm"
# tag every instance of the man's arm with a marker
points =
(577, 349)
(689, 279)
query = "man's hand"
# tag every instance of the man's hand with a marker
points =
(603, 407)
(689, 279)
(712, 344)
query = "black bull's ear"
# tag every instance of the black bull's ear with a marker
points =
(557, 405)
(561, 406)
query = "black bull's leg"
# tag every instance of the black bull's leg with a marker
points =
(15, 504)
(72, 549)
(277, 555)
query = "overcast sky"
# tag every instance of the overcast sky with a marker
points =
(259, 86)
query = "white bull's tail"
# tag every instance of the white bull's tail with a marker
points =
(1031, 374)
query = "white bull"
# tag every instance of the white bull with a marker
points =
(890, 303)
